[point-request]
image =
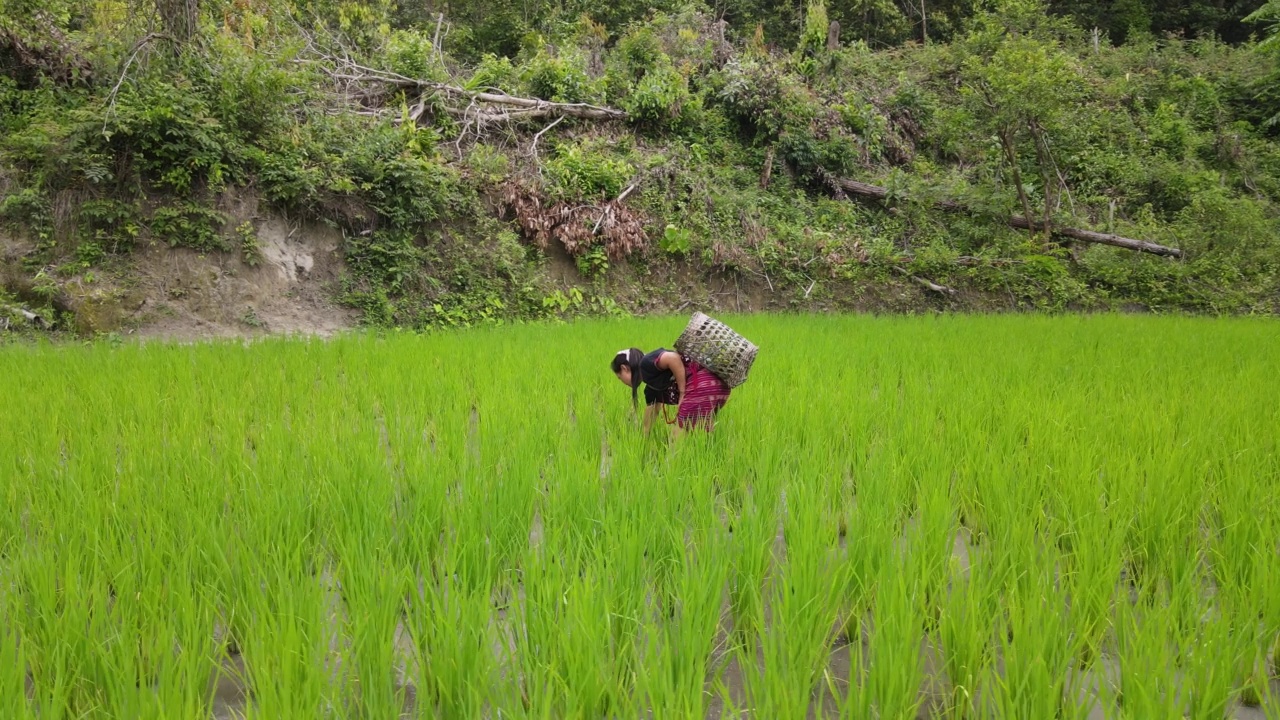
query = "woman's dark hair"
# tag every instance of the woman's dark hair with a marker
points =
(631, 358)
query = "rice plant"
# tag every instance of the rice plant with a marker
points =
(1068, 514)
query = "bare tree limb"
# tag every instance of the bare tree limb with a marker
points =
(124, 72)
(533, 146)
(608, 208)
(876, 192)
(928, 284)
(356, 73)
(623, 195)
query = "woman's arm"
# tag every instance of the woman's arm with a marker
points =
(671, 361)
(650, 412)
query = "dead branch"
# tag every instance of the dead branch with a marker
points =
(348, 72)
(124, 72)
(623, 195)
(533, 146)
(876, 192)
(608, 208)
(941, 289)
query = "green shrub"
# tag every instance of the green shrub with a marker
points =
(402, 185)
(675, 240)
(107, 226)
(659, 98)
(287, 176)
(1214, 223)
(411, 54)
(388, 258)
(587, 172)
(487, 163)
(250, 94)
(494, 73)
(816, 158)
(637, 53)
(28, 210)
(166, 130)
(560, 79)
(189, 224)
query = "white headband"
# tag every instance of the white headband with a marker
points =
(623, 352)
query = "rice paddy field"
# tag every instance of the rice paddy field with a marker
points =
(955, 517)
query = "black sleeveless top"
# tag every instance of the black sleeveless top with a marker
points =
(659, 384)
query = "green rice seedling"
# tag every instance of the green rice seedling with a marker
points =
(1216, 658)
(1037, 646)
(156, 657)
(1146, 682)
(1266, 675)
(895, 670)
(855, 700)
(61, 607)
(562, 641)
(804, 602)
(753, 535)
(13, 666)
(626, 580)
(453, 637)
(930, 539)
(373, 594)
(677, 649)
(868, 546)
(1093, 565)
(966, 632)
(286, 646)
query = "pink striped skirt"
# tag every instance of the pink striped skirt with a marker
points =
(704, 393)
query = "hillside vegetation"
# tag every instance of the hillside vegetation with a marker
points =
(676, 153)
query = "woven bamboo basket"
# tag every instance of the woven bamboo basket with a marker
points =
(715, 346)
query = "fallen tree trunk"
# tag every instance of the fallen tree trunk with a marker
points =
(1100, 238)
(358, 75)
(875, 192)
(29, 316)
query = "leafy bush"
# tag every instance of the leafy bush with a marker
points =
(765, 98)
(1214, 223)
(560, 79)
(586, 171)
(404, 187)
(487, 163)
(249, 93)
(660, 98)
(411, 54)
(28, 210)
(107, 226)
(637, 53)
(675, 240)
(288, 176)
(168, 133)
(389, 258)
(189, 224)
(494, 73)
(817, 158)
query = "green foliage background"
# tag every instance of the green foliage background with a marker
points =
(1150, 120)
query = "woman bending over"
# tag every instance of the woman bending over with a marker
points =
(671, 379)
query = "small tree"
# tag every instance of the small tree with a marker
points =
(1020, 86)
(813, 40)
